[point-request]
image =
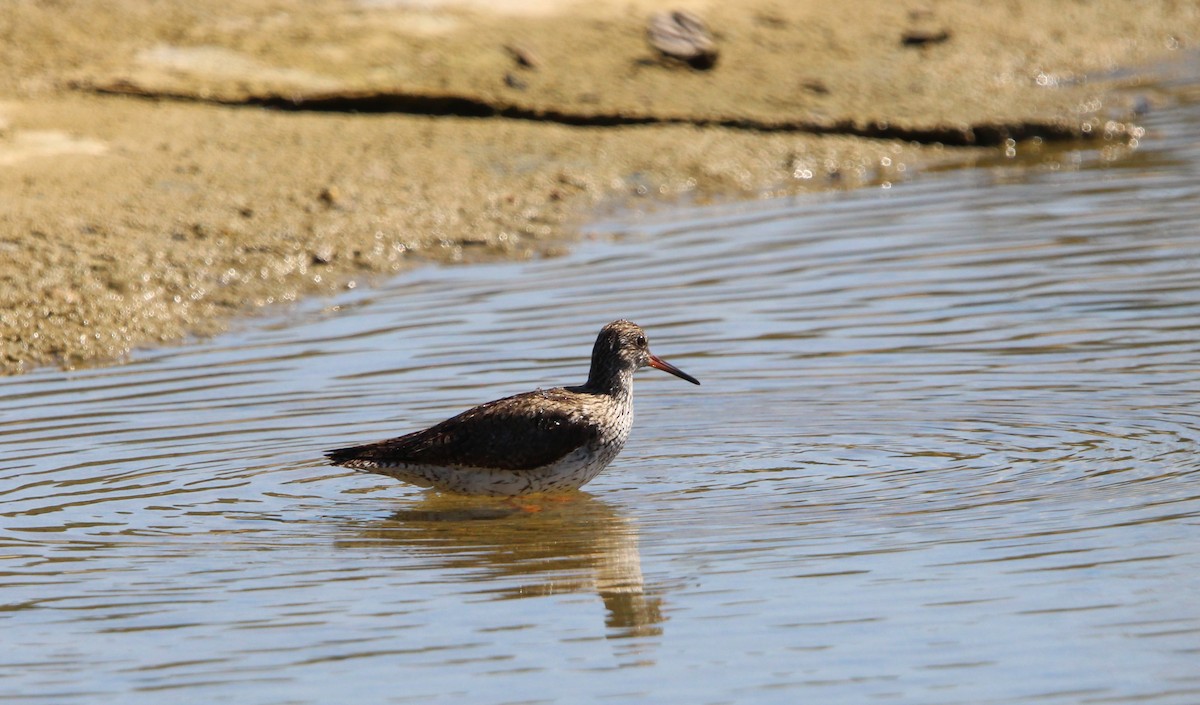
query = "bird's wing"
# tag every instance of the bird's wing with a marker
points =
(521, 432)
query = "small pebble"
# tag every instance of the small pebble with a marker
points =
(682, 35)
(523, 55)
(921, 37)
(330, 196)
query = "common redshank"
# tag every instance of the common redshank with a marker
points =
(543, 441)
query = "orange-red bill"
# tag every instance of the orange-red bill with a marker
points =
(661, 364)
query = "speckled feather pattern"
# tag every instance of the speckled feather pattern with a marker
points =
(546, 440)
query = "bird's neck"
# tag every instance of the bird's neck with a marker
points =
(615, 382)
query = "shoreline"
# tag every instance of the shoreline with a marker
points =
(162, 213)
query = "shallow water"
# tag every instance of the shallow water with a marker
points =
(945, 452)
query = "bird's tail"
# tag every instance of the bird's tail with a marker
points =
(352, 457)
(371, 458)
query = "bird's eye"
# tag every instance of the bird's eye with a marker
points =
(641, 341)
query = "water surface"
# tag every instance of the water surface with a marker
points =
(945, 452)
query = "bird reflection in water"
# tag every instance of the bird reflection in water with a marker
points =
(545, 545)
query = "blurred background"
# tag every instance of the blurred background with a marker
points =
(935, 264)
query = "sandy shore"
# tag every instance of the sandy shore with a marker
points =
(165, 166)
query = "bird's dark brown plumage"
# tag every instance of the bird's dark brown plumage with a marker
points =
(520, 432)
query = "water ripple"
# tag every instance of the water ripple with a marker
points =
(944, 452)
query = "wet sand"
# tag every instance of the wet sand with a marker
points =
(166, 168)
